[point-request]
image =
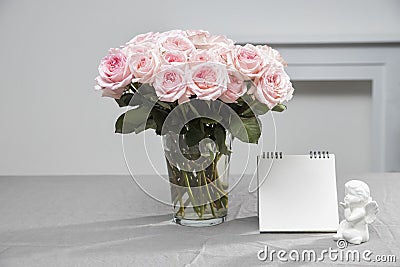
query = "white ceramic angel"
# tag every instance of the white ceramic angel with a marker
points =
(359, 211)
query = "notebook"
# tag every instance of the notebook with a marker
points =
(297, 192)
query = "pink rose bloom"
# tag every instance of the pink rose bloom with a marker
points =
(204, 56)
(173, 32)
(221, 41)
(114, 74)
(219, 46)
(144, 38)
(142, 48)
(273, 86)
(209, 80)
(117, 93)
(223, 54)
(144, 65)
(272, 54)
(170, 57)
(186, 96)
(176, 42)
(236, 87)
(198, 37)
(170, 83)
(249, 60)
(206, 41)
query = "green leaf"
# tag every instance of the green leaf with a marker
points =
(130, 99)
(145, 89)
(164, 105)
(249, 84)
(255, 108)
(220, 138)
(150, 124)
(132, 120)
(252, 107)
(147, 95)
(249, 131)
(135, 85)
(124, 100)
(159, 116)
(194, 133)
(208, 120)
(279, 108)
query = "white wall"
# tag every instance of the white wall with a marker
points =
(331, 116)
(52, 122)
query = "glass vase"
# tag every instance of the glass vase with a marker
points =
(198, 176)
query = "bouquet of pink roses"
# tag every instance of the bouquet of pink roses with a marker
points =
(180, 65)
(158, 73)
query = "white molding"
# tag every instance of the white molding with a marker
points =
(376, 63)
(345, 72)
(319, 39)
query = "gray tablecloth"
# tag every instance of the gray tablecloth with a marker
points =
(109, 221)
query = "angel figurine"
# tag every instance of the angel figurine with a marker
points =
(359, 211)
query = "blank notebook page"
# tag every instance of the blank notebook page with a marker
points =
(298, 195)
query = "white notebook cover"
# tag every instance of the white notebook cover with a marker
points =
(298, 195)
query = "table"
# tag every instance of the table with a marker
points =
(109, 221)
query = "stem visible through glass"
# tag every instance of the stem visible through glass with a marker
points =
(213, 200)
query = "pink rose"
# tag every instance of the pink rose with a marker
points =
(133, 49)
(273, 86)
(170, 57)
(236, 87)
(198, 37)
(176, 42)
(117, 93)
(219, 46)
(173, 32)
(114, 74)
(204, 56)
(222, 54)
(208, 80)
(207, 41)
(221, 41)
(186, 96)
(143, 64)
(272, 54)
(170, 83)
(249, 60)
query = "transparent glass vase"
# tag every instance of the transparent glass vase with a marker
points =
(198, 178)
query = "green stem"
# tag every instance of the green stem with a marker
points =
(186, 204)
(209, 195)
(224, 200)
(176, 191)
(191, 194)
(218, 201)
(181, 210)
(216, 187)
(212, 210)
(201, 194)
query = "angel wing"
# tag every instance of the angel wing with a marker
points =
(371, 209)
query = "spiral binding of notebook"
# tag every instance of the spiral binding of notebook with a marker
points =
(319, 154)
(272, 155)
(279, 155)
